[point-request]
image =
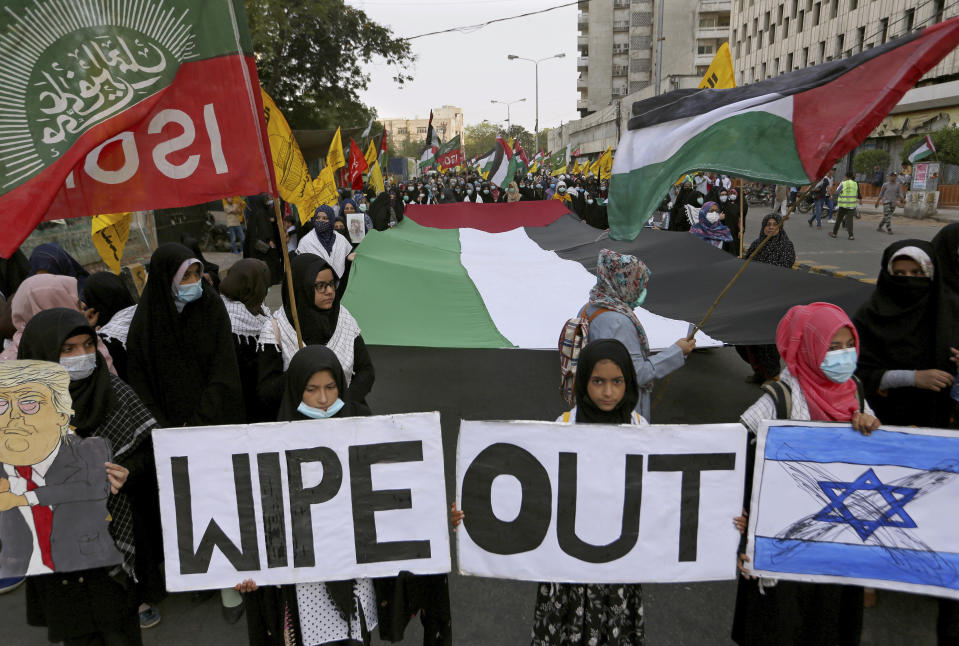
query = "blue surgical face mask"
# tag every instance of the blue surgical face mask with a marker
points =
(640, 300)
(552, 185)
(80, 366)
(839, 365)
(189, 293)
(319, 413)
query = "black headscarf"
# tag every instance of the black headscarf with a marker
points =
(779, 251)
(247, 282)
(593, 353)
(325, 233)
(42, 339)
(308, 361)
(183, 364)
(896, 332)
(51, 258)
(945, 246)
(317, 325)
(106, 293)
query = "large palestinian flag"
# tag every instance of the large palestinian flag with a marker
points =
(109, 106)
(789, 129)
(465, 275)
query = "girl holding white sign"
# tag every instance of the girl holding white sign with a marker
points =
(321, 612)
(612, 614)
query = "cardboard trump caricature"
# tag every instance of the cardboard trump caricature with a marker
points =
(53, 484)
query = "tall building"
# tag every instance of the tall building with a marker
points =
(770, 37)
(618, 50)
(447, 121)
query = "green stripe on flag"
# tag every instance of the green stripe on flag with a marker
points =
(415, 274)
(731, 146)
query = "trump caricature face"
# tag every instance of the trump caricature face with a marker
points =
(30, 426)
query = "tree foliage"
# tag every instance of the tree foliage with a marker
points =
(481, 137)
(310, 55)
(946, 142)
(865, 160)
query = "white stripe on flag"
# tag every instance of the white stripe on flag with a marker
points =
(658, 143)
(530, 292)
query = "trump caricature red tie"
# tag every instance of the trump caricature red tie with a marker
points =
(42, 518)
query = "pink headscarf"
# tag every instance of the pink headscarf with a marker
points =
(43, 292)
(803, 337)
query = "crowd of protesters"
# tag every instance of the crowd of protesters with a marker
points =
(196, 349)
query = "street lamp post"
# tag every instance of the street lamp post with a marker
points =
(536, 63)
(509, 124)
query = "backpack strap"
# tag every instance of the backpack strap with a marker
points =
(782, 397)
(599, 310)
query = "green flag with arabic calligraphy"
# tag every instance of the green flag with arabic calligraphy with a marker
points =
(122, 105)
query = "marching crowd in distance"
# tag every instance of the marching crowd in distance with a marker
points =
(198, 349)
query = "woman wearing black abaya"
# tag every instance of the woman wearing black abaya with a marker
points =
(51, 258)
(730, 208)
(779, 251)
(77, 604)
(323, 612)
(262, 235)
(243, 292)
(105, 300)
(323, 321)
(678, 221)
(610, 614)
(181, 359)
(896, 330)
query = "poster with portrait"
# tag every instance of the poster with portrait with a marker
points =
(53, 484)
(356, 226)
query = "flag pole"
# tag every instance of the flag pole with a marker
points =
(742, 198)
(287, 270)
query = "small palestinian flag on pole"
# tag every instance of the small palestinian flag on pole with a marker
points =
(922, 150)
(428, 156)
(786, 130)
(522, 161)
(504, 167)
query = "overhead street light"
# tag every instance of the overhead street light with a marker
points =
(536, 63)
(508, 104)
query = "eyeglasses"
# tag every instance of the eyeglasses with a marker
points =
(322, 286)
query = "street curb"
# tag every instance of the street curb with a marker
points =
(829, 270)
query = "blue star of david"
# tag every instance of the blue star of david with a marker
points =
(837, 511)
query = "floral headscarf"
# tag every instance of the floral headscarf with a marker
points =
(704, 230)
(620, 281)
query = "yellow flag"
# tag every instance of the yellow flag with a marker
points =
(376, 178)
(606, 164)
(720, 74)
(110, 232)
(292, 175)
(334, 156)
(370, 154)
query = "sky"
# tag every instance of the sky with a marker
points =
(471, 69)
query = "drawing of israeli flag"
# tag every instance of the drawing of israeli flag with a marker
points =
(831, 505)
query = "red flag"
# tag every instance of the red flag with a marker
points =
(184, 131)
(383, 142)
(357, 165)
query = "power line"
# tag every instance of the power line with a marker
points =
(472, 28)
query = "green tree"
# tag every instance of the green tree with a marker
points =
(946, 142)
(478, 139)
(865, 160)
(310, 55)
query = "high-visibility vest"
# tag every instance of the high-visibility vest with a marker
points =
(847, 199)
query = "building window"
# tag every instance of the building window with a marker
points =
(707, 22)
(840, 43)
(762, 74)
(795, 10)
(785, 28)
(853, 5)
(937, 10)
(835, 9)
(402, 131)
(776, 67)
(789, 62)
(421, 130)
(910, 18)
(799, 21)
(860, 37)
(805, 56)
(704, 49)
(766, 21)
(759, 41)
(755, 26)
(822, 51)
(772, 33)
(723, 21)
(779, 15)
(883, 30)
(815, 13)
(749, 45)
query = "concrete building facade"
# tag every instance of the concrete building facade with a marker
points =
(771, 37)
(447, 121)
(617, 45)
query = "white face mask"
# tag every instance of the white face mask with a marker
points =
(723, 198)
(712, 218)
(80, 366)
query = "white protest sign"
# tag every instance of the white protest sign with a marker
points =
(599, 504)
(316, 500)
(830, 505)
(356, 226)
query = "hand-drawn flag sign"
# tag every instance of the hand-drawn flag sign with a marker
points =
(832, 505)
(599, 504)
(317, 500)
